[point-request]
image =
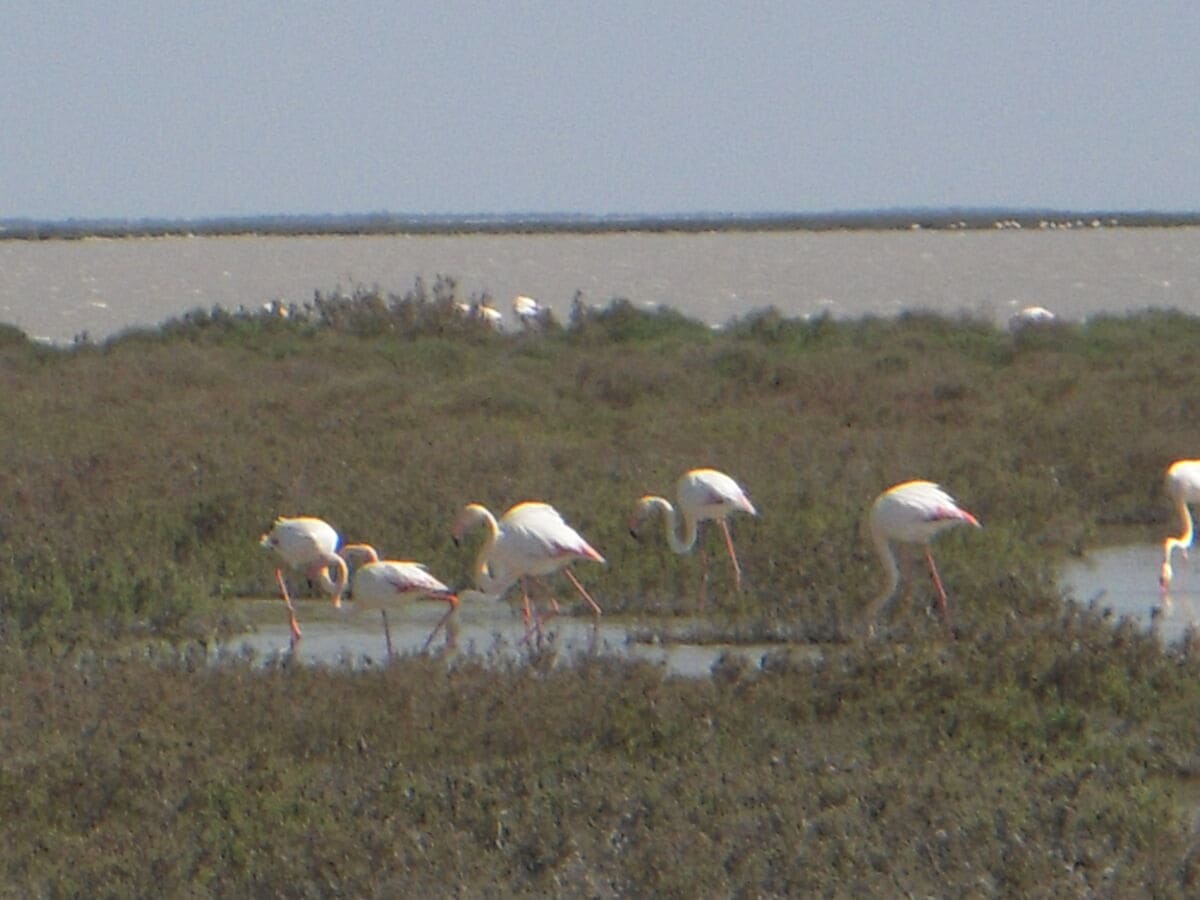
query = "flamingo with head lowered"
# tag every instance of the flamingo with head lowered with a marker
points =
(380, 583)
(530, 541)
(912, 513)
(703, 495)
(1183, 487)
(310, 545)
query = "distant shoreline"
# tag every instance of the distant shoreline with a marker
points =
(388, 223)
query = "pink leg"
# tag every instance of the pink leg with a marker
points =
(291, 609)
(737, 570)
(531, 624)
(585, 594)
(553, 605)
(937, 584)
(531, 611)
(453, 601)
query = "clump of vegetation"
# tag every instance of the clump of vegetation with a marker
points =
(1045, 749)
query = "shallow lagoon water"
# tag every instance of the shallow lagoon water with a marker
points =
(1125, 580)
(484, 630)
(1122, 580)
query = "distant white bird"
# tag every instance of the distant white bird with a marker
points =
(481, 310)
(1183, 487)
(531, 540)
(489, 314)
(528, 311)
(1030, 316)
(912, 513)
(378, 584)
(309, 545)
(703, 494)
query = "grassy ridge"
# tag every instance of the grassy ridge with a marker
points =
(1044, 748)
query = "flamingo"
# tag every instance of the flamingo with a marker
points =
(1183, 487)
(703, 494)
(528, 311)
(310, 545)
(530, 540)
(482, 310)
(1030, 317)
(379, 583)
(913, 513)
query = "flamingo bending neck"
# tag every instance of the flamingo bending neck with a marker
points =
(1183, 542)
(475, 514)
(671, 519)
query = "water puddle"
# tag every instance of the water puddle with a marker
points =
(484, 630)
(1125, 580)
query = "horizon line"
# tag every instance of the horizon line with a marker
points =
(382, 222)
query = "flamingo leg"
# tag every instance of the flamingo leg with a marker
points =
(737, 569)
(540, 619)
(453, 602)
(531, 623)
(553, 603)
(943, 606)
(295, 626)
(586, 596)
(387, 634)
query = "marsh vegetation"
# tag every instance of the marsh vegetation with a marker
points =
(1046, 750)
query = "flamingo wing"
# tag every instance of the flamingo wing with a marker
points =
(538, 533)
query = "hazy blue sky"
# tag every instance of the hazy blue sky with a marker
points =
(154, 108)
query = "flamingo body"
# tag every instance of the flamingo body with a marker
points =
(482, 311)
(702, 495)
(309, 545)
(530, 540)
(913, 512)
(384, 583)
(527, 310)
(1030, 317)
(1183, 487)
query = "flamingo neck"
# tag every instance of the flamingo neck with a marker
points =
(891, 571)
(335, 587)
(671, 518)
(484, 579)
(351, 550)
(1184, 541)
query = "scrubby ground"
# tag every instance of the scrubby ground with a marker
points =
(1043, 752)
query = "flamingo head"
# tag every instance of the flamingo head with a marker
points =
(641, 512)
(470, 516)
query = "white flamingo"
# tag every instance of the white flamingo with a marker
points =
(483, 311)
(531, 540)
(703, 494)
(1183, 487)
(310, 545)
(528, 311)
(378, 584)
(1030, 317)
(913, 513)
